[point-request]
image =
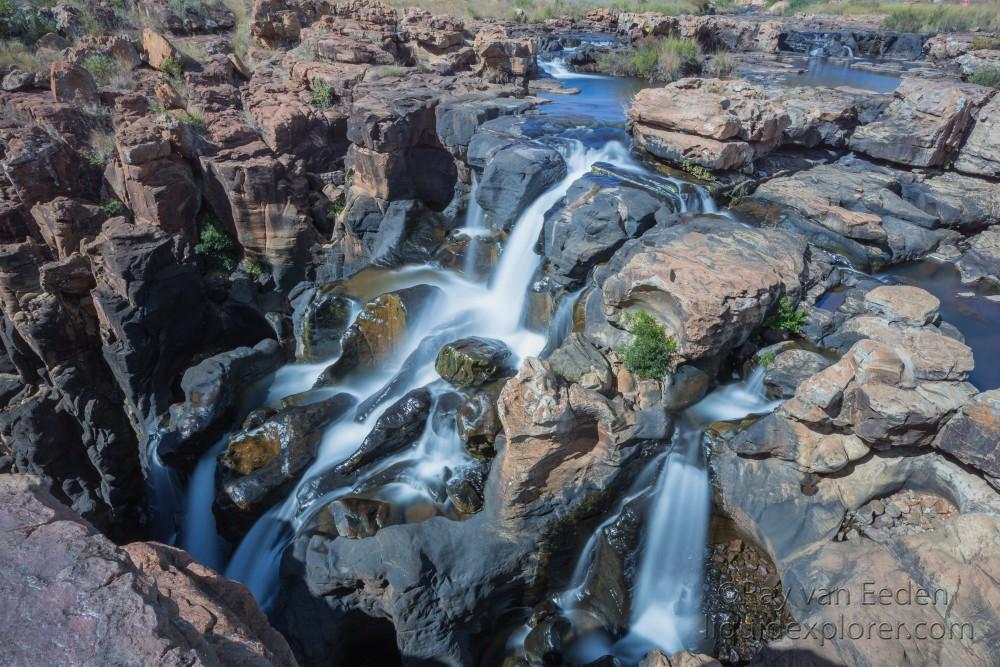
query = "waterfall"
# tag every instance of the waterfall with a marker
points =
(474, 227)
(561, 324)
(162, 490)
(198, 534)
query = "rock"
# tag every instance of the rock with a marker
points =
(273, 23)
(457, 120)
(514, 177)
(901, 304)
(719, 125)
(979, 154)
(356, 517)
(824, 116)
(687, 385)
(72, 83)
(212, 390)
(478, 422)
(924, 125)
(972, 434)
(158, 49)
(63, 222)
(981, 262)
(465, 488)
(379, 329)
(400, 426)
(18, 79)
(41, 168)
(578, 361)
(503, 58)
(789, 369)
(471, 362)
(322, 315)
(599, 215)
(268, 455)
(679, 659)
(141, 604)
(710, 282)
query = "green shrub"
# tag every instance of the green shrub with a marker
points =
(112, 207)
(988, 76)
(648, 354)
(334, 209)
(215, 246)
(765, 360)
(696, 170)
(27, 23)
(252, 268)
(194, 120)
(101, 67)
(172, 68)
(322, 94)
(660, 60)
(787, 319)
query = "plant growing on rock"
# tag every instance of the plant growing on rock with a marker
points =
(696, 170)
(112, 207)
(765, 360)
(215, 246)
(648, 354)
(322, 94)
(172, 68)
(987, 76)
(789, 319)
(662, 60)
(334, 209)
(253, 268)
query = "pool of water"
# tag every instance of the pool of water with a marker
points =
(834, 72)
(969, 309)
(602, 99)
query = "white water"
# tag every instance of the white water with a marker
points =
(475, 225)
(667, 607)
(557, 68)
(466, 308)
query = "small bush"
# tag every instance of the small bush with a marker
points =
(322, 94)
(765, 360)
(26, 23)
(334, 209)
(194, 120)
(102, 147)
(112, 207)
(698, 171)
(787, 319)
(172, 68)
(648, 354)
(988, 76)
(661, 60)
(252, 268)
(101, 67)
(215, 246)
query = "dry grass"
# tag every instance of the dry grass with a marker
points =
(664, 59)
(949, 16)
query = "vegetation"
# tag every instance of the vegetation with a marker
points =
(540, 10)
(648, 354)
(788, 318)
(26, 23)
(388, 71)
(102, 147)
(112, 207)
(988, 76)
(765, 360)
(215, 246)
(722, 65)
(194, 120)
(665, 59)
(952, 17)
(172, 68)
(334, 209)
(322, 93)
(253, 268)
(698, 171)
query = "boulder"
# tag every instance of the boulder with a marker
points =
(979, 154)
(144, 603)
(321, 316)
(158, 49)
(972, 434)
(599, 215)
(72, 83)
(711, 282)
(503, 58)
(981, 262)
(378, 330)
(789, 369)
(400, 426)
(924, 125)
(578, 361)
(264, 459)
(478, 422)
(471, 362)
(514, 177)
(822, 116)
(63, 222)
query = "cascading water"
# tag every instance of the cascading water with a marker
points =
(475, 225)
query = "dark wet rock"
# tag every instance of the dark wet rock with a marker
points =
(378, 330)
(426, 350)
(398, 427)
(471, 362)
(356, 517)
(321, 317)
(514, 177)
(478, 422)
(212, 390)
(261, 461)
(924, 125)
(789, 369)
(579, 361)
(144, 603)
(457, 120)
(545, 642)
(599, 215)
(972, 434)
(981, 262)
(465, 487)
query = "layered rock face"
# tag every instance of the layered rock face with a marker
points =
(139, 604)
(829, 484)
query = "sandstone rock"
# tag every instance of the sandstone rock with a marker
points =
(825, 116)
(924, 125)
(471, 362)
(72, 83)
(41, 167)
(979, 154)
(981, 262)
(63, 222)
(577, 360)
(677, 148)
(789, 369)
(269, 454)
(503, 58)
(158, 49)
(903, 305)
(478, 422)
(710, 282)
(972, 434)
(274, 23)
(145, 603)
(17, 79)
